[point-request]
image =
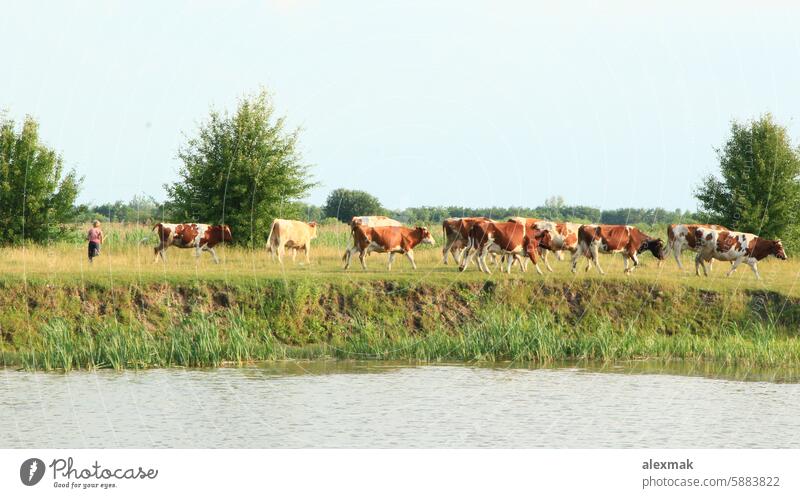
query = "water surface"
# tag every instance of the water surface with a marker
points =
(373, 404)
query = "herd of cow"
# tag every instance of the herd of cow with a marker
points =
(514, 241)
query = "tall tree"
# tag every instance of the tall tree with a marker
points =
(758, 190)
(344, 204)
(242, 169)
(36, 196)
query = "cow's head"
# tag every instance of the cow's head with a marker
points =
(532, 243)
(778, 251)
(227, 236)
(313, 226)
(425, 236)
(655, 246)
(544, 238)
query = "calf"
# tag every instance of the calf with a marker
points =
(680, 236)
(290, 234)
(393, 240)
(455, 233)
(557, 237)
(187, 235)
(630, 241)
(509, 238)
(737, 247)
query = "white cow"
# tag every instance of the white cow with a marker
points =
(291, 234)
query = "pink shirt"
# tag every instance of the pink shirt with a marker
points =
(94, 235)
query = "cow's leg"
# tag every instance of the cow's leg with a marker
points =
(391, 260)
(348, 254)
(213, 254)
(362, 256)
(635, 260)
(547, 263)
(510, 262)
(523, 263)
(448, 246)
(559, 256)
(458, 252)
(700, 260)
(733, 267)
(576, 256)
(625, 262)
(482, 259)
(307, 250)
(281, 251)
(676, 251)
(159, 251)
(466, 256)
(753, 262)
(595, 252)
(410, 256)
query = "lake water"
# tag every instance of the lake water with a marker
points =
(370, 404)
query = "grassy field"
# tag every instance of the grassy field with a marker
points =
(127, 257)
(125, 311)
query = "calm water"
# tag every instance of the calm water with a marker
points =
(345, 404)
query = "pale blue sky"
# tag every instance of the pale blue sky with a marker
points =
(609, 104)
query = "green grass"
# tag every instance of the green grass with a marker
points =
(209, 341)
(125, 311)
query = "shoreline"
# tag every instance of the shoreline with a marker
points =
(93, 325)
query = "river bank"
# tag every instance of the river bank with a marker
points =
(67, 326)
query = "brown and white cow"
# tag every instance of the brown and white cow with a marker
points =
(609, 239)
(455, 232)
(187, 235)
(737, 247)
(680, 236)
(511, 239)
(291, 234)
(393, 240)
(368, 221)
(557, 237)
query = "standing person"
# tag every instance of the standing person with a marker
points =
(95, 238)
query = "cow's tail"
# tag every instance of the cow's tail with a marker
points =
(269, 237)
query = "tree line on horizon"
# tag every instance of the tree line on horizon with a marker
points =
(243, 168)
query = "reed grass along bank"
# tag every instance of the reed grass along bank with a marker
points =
(105, 325)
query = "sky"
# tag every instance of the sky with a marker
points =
(607, 104)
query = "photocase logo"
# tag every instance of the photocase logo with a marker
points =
(31, 471)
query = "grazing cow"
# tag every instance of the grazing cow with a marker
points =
(509, 238)
(186, 235)
(455, 232)
(393, 240)
(291, 234)
(557, 237)
(737, 247)
(680, 236)
(630, 241)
